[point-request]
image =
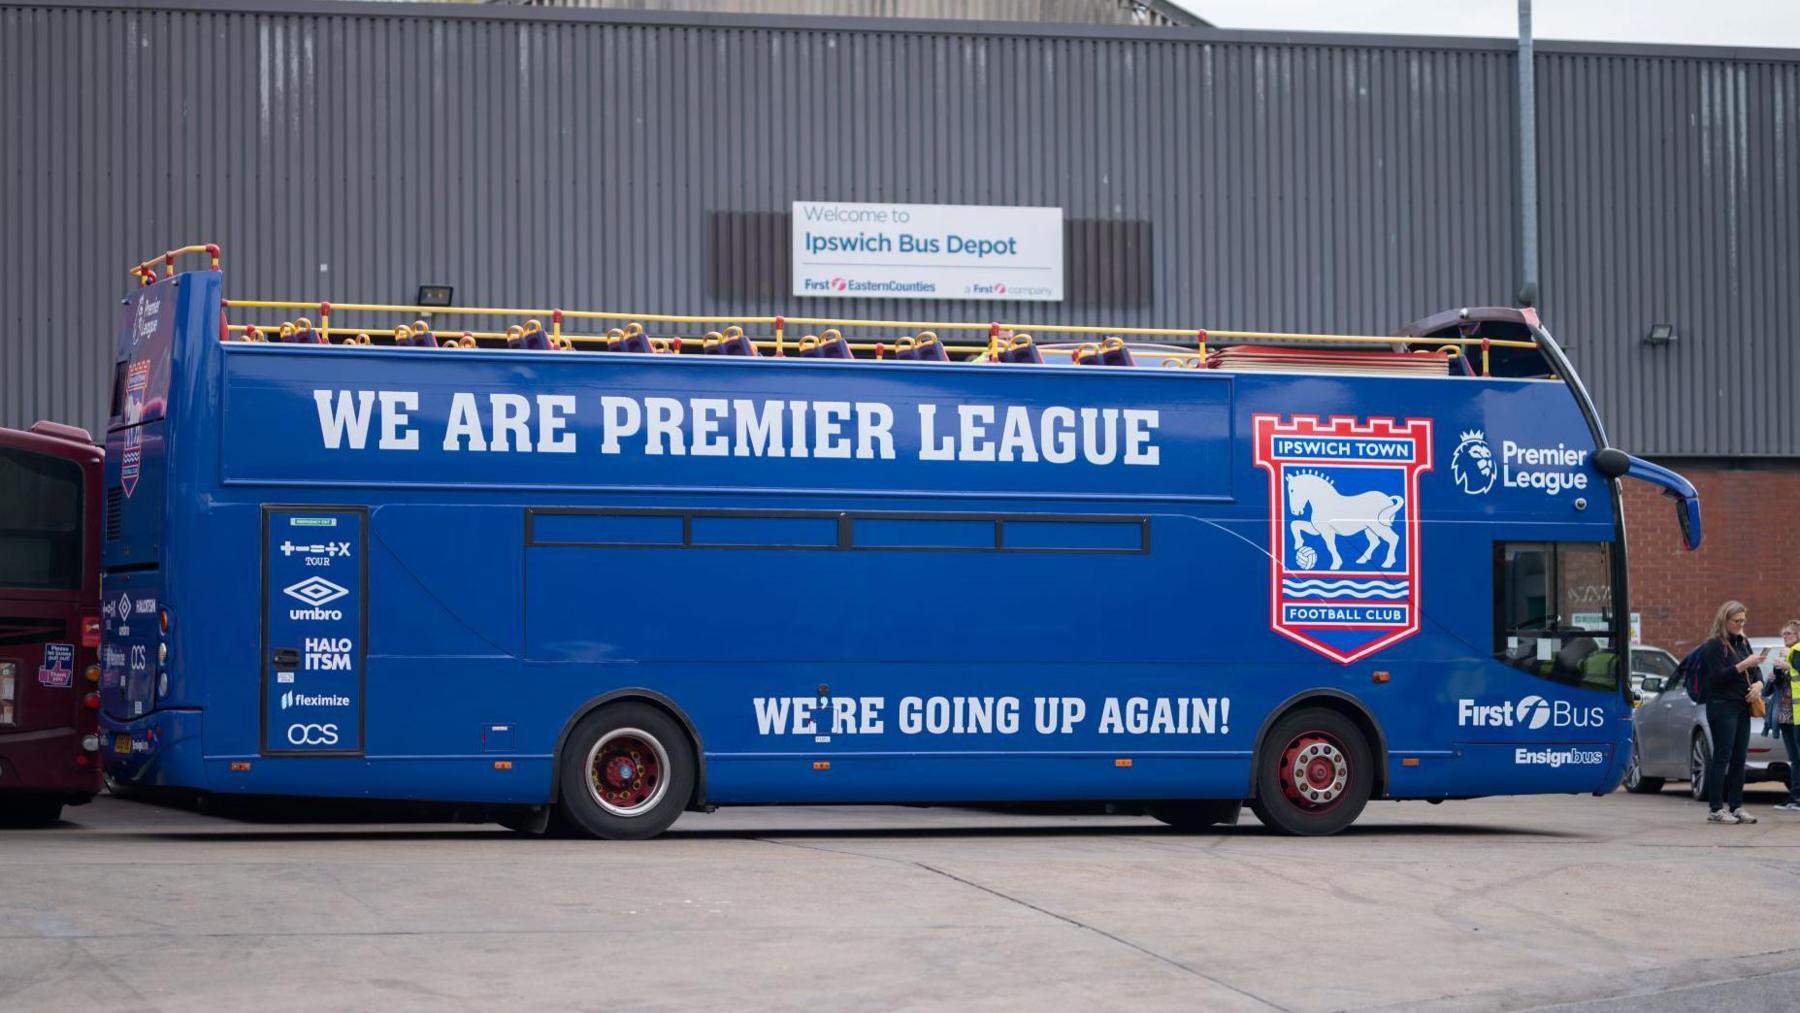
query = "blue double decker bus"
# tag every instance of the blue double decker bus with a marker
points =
(607, 578)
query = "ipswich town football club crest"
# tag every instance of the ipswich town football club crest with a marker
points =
(1343, 530)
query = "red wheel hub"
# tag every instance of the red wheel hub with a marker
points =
(1315, 771)
(626, 773)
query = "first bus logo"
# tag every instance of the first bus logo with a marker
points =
(1343, 531)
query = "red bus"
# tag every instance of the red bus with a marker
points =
(50, 515)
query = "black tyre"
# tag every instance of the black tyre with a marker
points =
(1193, 816)
(1635, 781)
(1314, 774)
(29, 811)
(626, 772)
(1699, 761)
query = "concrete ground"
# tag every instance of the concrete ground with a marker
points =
(1621, 903)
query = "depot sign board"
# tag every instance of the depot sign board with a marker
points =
(927, 251)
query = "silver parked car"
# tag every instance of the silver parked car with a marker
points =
(1647, 661)
(1670, 740)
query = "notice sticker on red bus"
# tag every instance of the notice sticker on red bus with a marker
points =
(58, 669)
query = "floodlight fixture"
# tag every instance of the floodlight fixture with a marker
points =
(435, 295)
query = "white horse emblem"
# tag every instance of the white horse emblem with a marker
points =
(1335, 514)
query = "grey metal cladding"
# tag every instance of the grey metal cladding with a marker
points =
(1671, 194)
(647, 162)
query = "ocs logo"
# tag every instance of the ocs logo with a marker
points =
(312, 735)
(1472, 465)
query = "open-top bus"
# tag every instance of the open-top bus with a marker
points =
(49, 621)
(610, 577)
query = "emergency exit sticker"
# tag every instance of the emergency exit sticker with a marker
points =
(58, 669)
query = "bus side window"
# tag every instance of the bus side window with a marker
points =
(1554, 611)
(40, 521)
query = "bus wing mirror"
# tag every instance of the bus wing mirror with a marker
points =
(1615, 463)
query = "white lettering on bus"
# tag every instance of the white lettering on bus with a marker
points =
(758, 433)
(708, 441)
(465, 424)
(336, 419)
(742, 427)
(874, 424)
(829, 439)
(552, 409)
(621, 417)
(512, 415)
(989, 715)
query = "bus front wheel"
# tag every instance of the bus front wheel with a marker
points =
(626, 772)
(1314, 774)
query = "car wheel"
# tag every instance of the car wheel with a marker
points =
(1699, 760)
(626, 772)
(1635, 781)
(1314, 774)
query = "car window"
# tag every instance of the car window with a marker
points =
(1652, 663)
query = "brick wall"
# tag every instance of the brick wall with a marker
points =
(1750, 551)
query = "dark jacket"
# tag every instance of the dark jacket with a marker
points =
(1724, 682)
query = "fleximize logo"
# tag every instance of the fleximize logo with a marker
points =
(292, 699)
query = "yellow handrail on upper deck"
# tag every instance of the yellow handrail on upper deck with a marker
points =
(997, 331)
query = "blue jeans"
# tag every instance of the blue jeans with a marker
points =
(1792, 742)
(1730, 724)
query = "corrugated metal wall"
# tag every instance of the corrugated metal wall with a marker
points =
(1671, 194)
(646, 162)
(1100, 12)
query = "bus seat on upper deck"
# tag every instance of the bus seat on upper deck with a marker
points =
(1021, 349)
(925, 348)
(733, 342)
(300, 332)
(631, 339)
(830, 345)
(531, 337)
(1111, 352)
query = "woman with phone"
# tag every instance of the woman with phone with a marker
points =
(1733, 680)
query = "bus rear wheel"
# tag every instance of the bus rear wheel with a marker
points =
(626, 772)
(1314, 774)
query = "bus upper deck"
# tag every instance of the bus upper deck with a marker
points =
(624, 574)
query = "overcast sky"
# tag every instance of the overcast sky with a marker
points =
(1686, 22)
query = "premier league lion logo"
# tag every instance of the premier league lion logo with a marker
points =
(1339, 488)
(1472, 465)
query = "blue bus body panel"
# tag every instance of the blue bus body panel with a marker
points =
(979, 583)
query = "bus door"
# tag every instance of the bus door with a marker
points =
(49, 622)
(1561, 718)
